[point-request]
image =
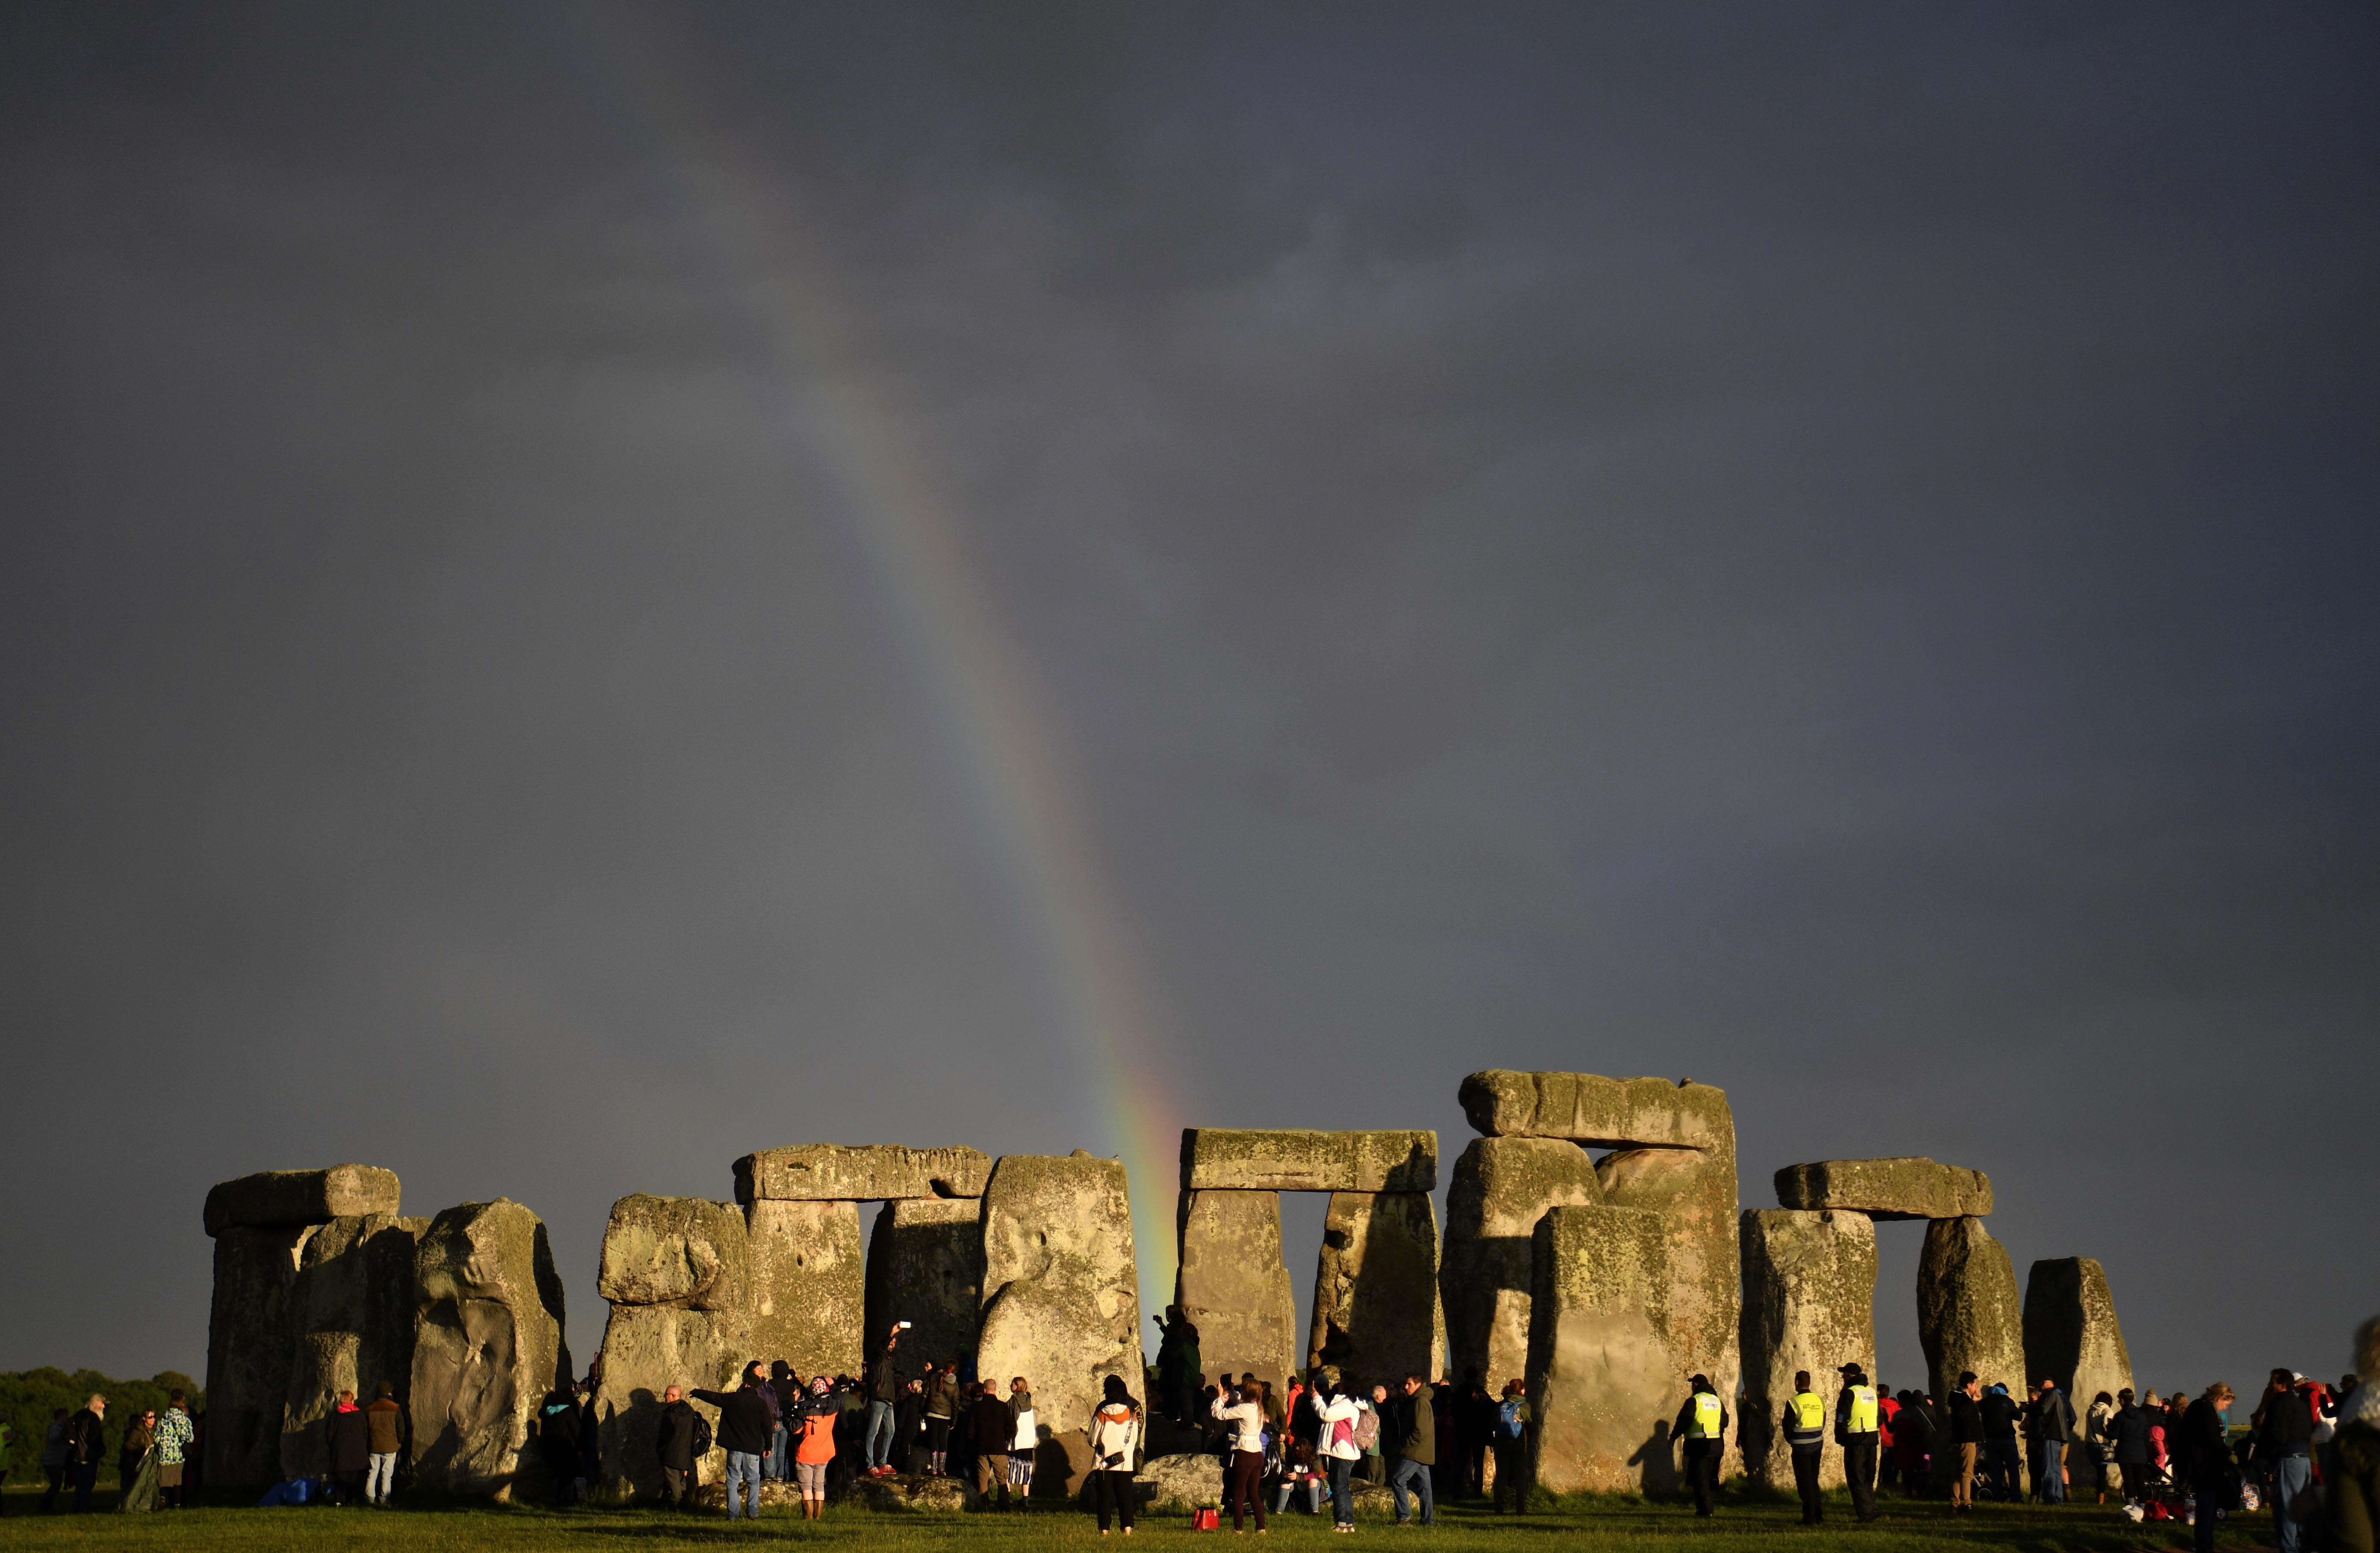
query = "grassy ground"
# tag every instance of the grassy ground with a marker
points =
(1618, 1524)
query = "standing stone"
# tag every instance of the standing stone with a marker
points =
(2070, 1332)
(1603, 1382)
(1498, 1190)
(809, 1284)
(1375, 1310)
(678, 1274)
(1233, 1283)
(487, 1345)
(248, 1353)
(350, 1315)
(1809, 1304)
(1695, 1192)
(1967, 1315)
(1062, 1295)
(1903, 1188)
(872, 1172)
(924, 1266)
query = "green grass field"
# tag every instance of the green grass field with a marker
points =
(1621, 1524)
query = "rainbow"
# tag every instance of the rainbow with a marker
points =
(995, 744)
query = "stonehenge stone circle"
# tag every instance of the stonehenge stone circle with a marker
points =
(859, 1173)
(1497, 1192)
(810, 1289)
(1375, 1310)
(1967, 1313)
(2070, 1331)
(1809, 1304)
(1233, 1283)
(285, 1199)
(350, 1317)
(1906, 1188)
(1604, 1379)
(1248, 1159)
(1061, 1303)
(924, 1266)
(487, 1345)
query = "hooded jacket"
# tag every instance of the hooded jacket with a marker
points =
(745, 1421)
(1115, 1434)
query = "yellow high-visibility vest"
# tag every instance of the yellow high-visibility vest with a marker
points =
(1705, 1423)
(1809, 1413)
(1863, 1410)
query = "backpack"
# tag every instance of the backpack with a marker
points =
(701, 1436)
(1367, 1429)
(1507, 1417)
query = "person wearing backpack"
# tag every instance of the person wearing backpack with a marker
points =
(683, 1439)
(1336, 1411)
(747, 1420)
(1510, 1441)
(2052, 1418)
(1114, 1437)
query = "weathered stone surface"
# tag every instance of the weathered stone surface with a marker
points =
(647, 1349)
(908, 1496)
(675, 1250)
(1967, 1314)
(1063, 1294)
(859, 1173)
(350, 1315)
(249, 1351)
(1809, 1304)
(1600, 1113)
(283, 1199)
(486, 1344)
(1907, 1188)
(1234, 1285)
(1695, 1192)
(1604, 1381)
(1185, 1482)
(925, 1265)
(2070, 1332)
(1375, 1310)
(1497, 1192)
(809, 1284)
(1253, 1159)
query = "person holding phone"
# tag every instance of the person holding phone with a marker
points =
(883, 1399)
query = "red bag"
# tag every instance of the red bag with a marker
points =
(1208, 1519)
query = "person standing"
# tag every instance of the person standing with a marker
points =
(347, 1438)
(1804, 1427)
(1115, 1437)
(2205, 1461)
(2284, 1436)
(2053, 1425)
(1887, 1464)
(812, 1423)
(174, 1432)
(1241, 1413)
(942, 1405)
(1511, 1445)
(1335, 1450)
(883, 1404)
(1702, 1425)
(1966, 1437)
(676, 1445)
(1913, 1443)
(2127, 1446)
(990, 1427)
(55, 1459)
(745, 1426)
(7, 1455)
(384, 1440)
(1856, 1419)
(136, 1466)
(86, 1441)
(1024, 1438)
(1418, 1453)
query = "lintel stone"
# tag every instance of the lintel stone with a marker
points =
(1904, 1188)
(1255, 1159)
(833, 1172)
(281, 1199)
(1600, 1113)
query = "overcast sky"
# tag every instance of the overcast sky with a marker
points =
(587, 590)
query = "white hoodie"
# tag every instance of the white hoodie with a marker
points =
(1114, 1432)
(1341, 1407)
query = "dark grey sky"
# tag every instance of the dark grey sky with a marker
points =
(1829, 551)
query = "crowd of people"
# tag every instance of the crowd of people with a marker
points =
(156, 1458)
